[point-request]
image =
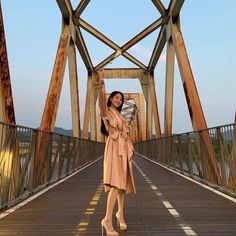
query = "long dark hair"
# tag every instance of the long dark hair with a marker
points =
(103, 128)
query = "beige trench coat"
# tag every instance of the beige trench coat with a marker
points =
(118, 154)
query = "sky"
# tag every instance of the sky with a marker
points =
(33, 29)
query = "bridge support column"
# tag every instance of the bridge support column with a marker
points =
(7, 113)
(74, 91)
(169, 88)
(149, 110)
(87, 106)
(90, 116)
(51, 106)
(8, 139)
(93, 113)
(154, 105)
(192, 98)
(54, 92)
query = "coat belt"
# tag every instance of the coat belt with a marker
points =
(124, 145)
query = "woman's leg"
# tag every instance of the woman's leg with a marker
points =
(111, 200)
(120, 199)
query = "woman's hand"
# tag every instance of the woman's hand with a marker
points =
(101, 74)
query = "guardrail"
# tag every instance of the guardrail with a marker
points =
(208, 156)
(31, 159)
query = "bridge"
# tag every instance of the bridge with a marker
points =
(51, 184)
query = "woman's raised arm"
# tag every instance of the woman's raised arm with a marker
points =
(102, 93)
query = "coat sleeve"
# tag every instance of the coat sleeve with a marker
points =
(111, 125)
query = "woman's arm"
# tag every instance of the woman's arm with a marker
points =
(102, 93)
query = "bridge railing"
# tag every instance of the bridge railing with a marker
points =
(189, 154)
(28, 165)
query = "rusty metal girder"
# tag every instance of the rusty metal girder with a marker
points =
(175, 7)
(66, 9)
(67, 13)
(160, 7)
(107, 41)
(80, 8)
(81, 46)
(161, 40)
(122, 50)
(7, 113)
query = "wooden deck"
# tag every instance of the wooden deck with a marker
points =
(166, 204)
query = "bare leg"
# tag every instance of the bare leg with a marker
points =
(111, 200)
(120, 199)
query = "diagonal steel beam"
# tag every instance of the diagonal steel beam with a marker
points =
(90, 29)
(161, 40)
(81, 46)
(107, 41)
(110, 43)
(120, 50)
(173, 11)
(67, 12)
(115, 55)
(160, 7)
(156, 24)
(80, 8)
(175, 7)
(66, 9)
(7, 113)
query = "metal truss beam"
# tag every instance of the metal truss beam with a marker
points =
(122, 50)
(7, 113)
(81, 46)
(160, 7)
(80, 8)
(67, 13)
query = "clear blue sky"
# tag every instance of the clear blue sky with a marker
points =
(209, 29)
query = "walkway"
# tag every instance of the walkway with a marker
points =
(166, 204)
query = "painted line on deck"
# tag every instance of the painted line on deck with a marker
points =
(186, 228)
(190, 179)
(21, 204)
(84, 223)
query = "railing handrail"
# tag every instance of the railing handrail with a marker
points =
(207, 155)
(47, 158)
(45, 131)
(190, 132)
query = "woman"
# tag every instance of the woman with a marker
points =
(117, 167)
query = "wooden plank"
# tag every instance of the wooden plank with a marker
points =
(54, 92)
(169, 88)
(7, 113)
(74, 90)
